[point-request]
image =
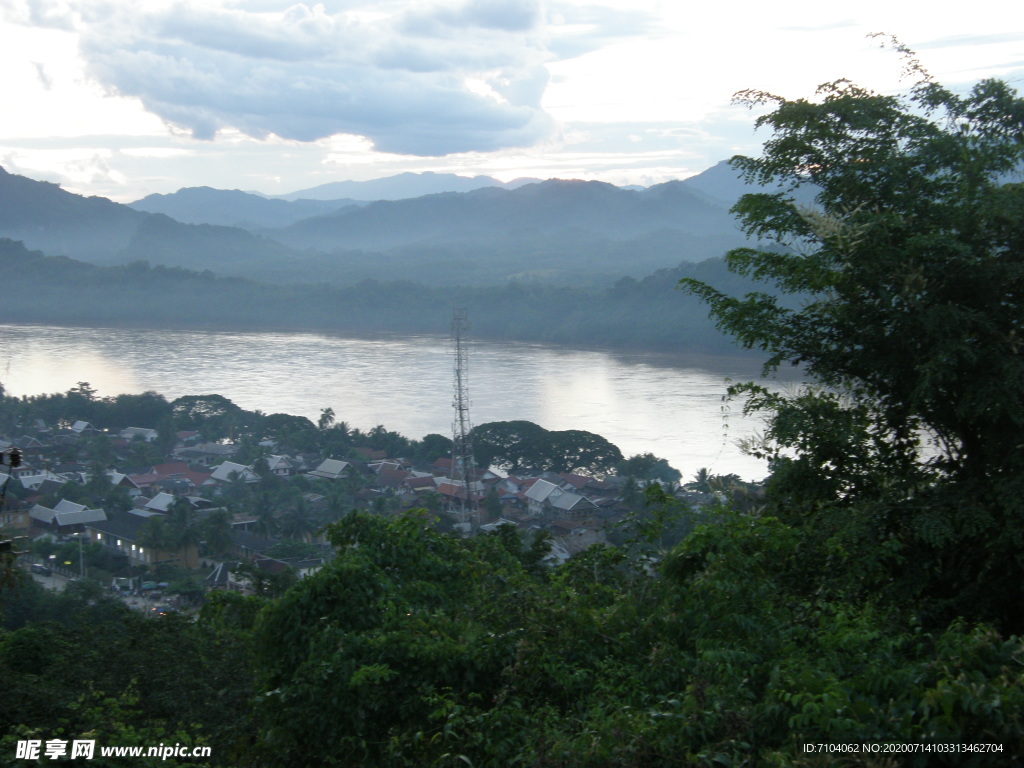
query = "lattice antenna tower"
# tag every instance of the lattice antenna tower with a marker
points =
(463, 464)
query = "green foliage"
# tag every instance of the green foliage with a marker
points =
(910, 259)
(518, 445)
(80, 664)
(433, 447)
(647, 466)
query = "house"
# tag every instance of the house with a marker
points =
(33, 480)
(571, 506)
(176, 477)
(31, 446)
(421, 484)
(139, 433)
(391, 478)
(387, 464)
(125, 534)
(582, 483)
(206, 454)
(160, 503)
(120, 480)
(281, 466)
(229, 471)
(540, 492)
(66, 516)
(331, 469)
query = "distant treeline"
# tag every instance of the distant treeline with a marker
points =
(647, 313)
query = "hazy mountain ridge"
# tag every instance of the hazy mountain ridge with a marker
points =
(234, 208)
(487, 215)
(649, 313)
(562, 231)
(60, 222)
(401, 187)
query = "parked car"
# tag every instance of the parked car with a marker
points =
(42, 570)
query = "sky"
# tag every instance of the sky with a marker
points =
(124, 98)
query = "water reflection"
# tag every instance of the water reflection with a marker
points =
(670, 405)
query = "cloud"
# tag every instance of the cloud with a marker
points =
(576, 30)
(953, 41)
(414, 78)
(44, 79)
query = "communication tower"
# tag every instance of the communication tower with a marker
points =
(463, 466)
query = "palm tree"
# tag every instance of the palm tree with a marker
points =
(632, 497)
(326, 419)
(266, 523)
(701, 481)
(217, 529)
(154, 534)
(298, 523)
(183, 529)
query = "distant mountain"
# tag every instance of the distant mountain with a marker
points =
(584, 209)
(222, 250)
(233, 208)
(722, 183)
(45, 217)
(719, 182)
(560, 232)
(401, 187)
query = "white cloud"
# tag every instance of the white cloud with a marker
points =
(297, 94)
(402, 79)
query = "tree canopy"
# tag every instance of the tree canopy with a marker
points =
(518, 445)
(910, 264)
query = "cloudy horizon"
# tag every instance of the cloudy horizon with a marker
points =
(124, 100)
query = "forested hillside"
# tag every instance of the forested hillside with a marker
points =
(646, 313)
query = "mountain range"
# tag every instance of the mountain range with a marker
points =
(560, 231)
(401, 187)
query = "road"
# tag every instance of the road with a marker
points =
(57, 582)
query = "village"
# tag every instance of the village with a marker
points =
(165, 520)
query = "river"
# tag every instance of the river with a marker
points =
(668, 404)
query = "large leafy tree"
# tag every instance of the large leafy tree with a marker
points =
(519, 445)
(909, 270)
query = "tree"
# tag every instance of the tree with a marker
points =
(909, 273)
(213, 415)
(293, 431)
(326, 419)
(518, 445)
(433, 447)
(298, 523)
(216, 530)
(647, 466)
(146, 410)
(185, 531)
(509, 445)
